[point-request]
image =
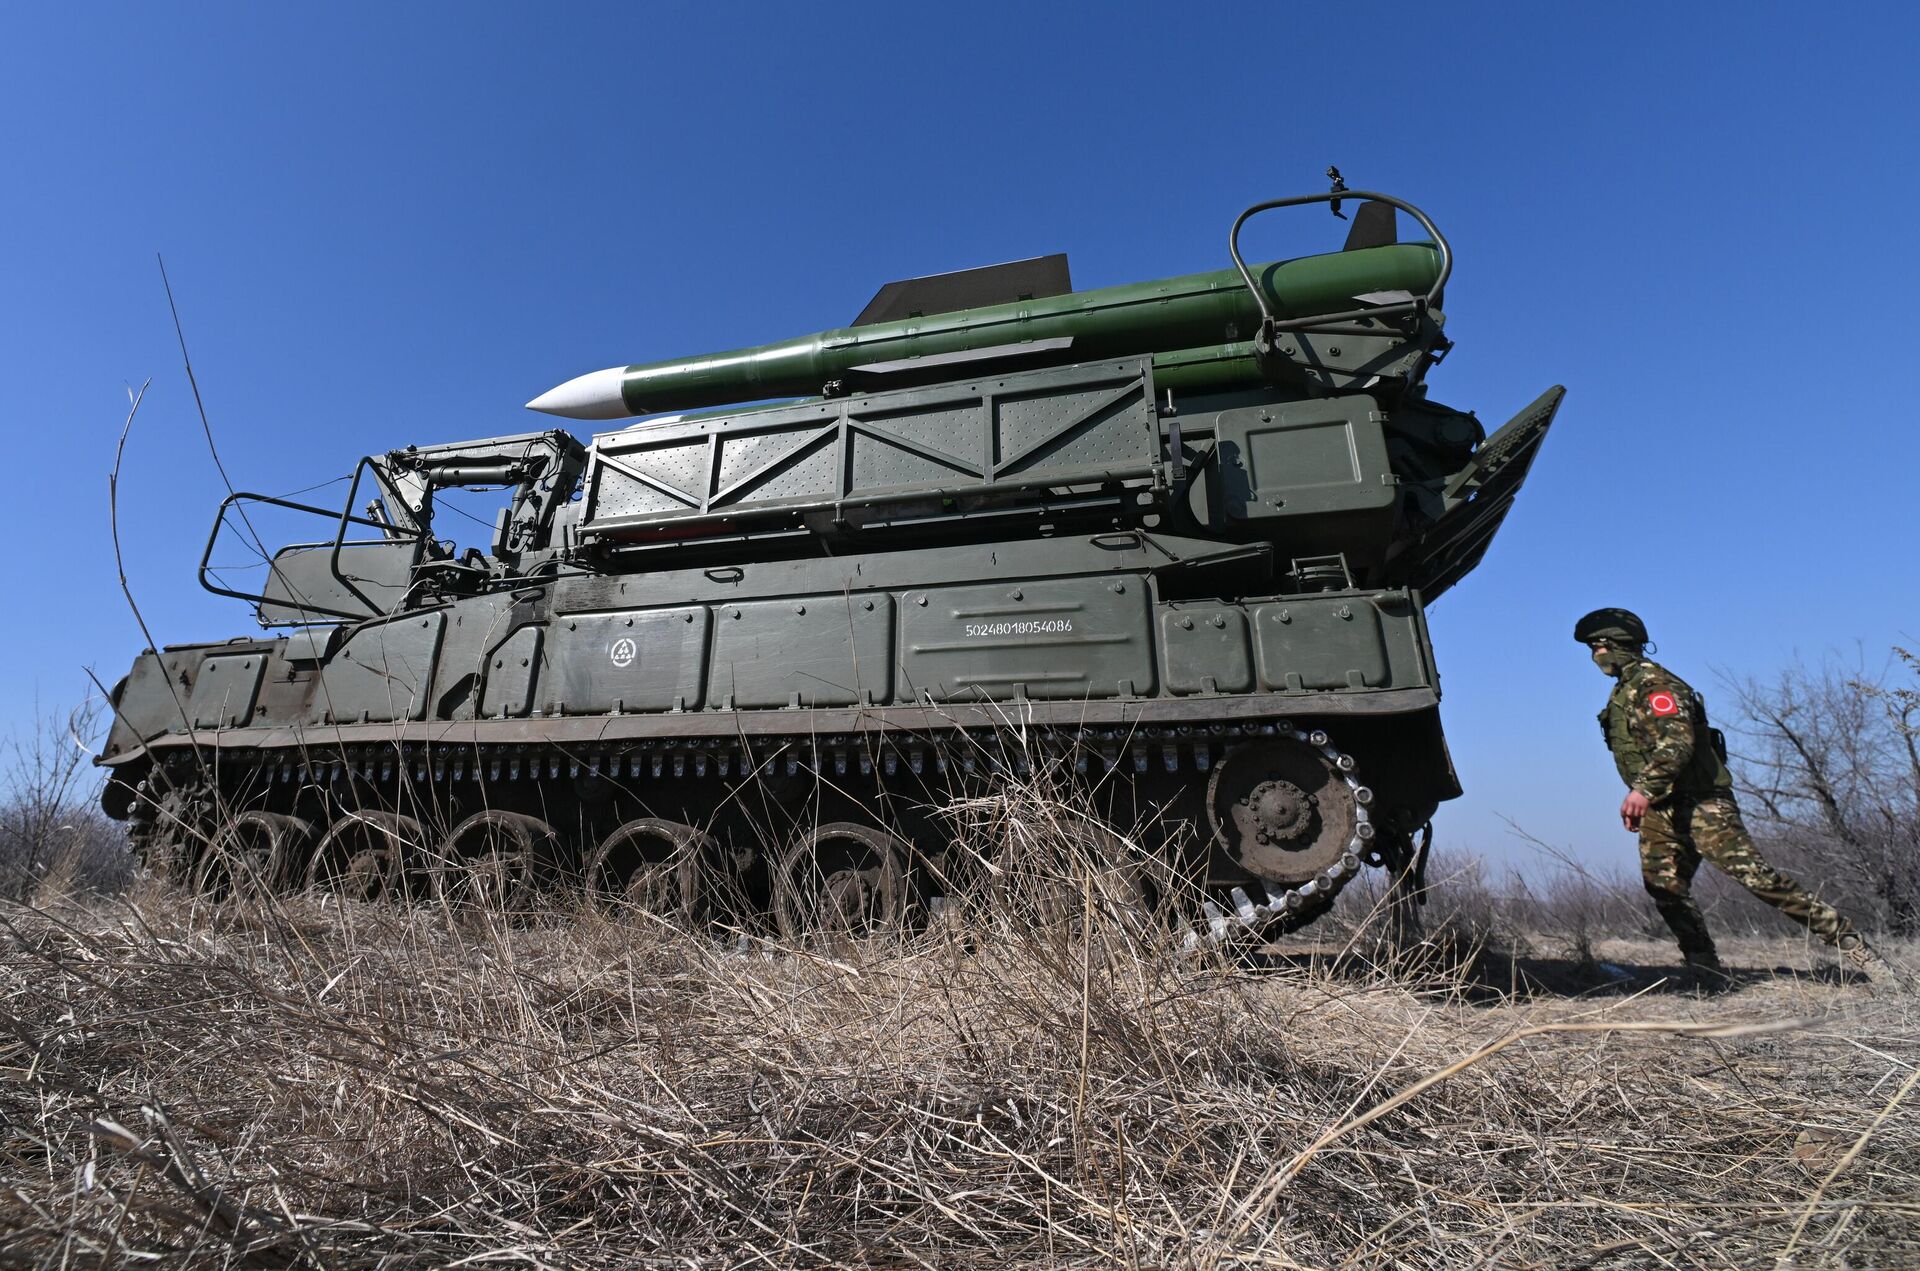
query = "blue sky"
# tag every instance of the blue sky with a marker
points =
(391, 224)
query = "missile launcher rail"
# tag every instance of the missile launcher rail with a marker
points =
(1174, 539)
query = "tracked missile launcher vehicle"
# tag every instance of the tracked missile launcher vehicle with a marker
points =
(1174, 539)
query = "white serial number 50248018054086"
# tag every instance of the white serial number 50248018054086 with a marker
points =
(1035, 626)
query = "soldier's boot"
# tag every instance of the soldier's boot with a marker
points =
(1704, 973)
(1866, 960)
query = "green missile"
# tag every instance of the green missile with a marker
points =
(1137, 318)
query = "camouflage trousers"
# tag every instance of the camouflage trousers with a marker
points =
(1676, 836)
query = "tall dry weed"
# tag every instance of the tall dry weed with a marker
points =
(304, 1081)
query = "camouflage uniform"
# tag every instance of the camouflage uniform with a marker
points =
(1656, 727)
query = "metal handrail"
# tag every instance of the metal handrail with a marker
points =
(345, 518)
(421, 537)
(1322, 322)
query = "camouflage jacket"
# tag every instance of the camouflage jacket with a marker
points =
(1656, 727)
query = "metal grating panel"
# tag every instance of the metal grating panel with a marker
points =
(1082, 434)
(1037, 430)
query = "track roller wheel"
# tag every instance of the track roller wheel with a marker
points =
(367, 855)
(841, 879)
(254, 854)
(493, 860)
(660, 867)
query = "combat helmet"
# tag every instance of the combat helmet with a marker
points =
(1611, 624)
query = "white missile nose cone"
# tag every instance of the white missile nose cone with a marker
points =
(592, 396)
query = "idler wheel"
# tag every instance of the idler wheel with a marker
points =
(367, 855)
(493, 860)
(1282, 809)
(840, 879)
(655, 866)
(254, 854)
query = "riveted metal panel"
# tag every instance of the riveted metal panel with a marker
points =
(1304, 459)
(1320, 643)
(1205, 648)
(811, 651)
(512, 673)
(1403, 626)
(638, 660)
(149, 703)
(474, 625)
(383, 672)
(224, 691)
(1065, 637)
(307, 644)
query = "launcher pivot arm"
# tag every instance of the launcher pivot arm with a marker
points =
(544, 468)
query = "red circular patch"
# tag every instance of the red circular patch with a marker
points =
(1663, 704)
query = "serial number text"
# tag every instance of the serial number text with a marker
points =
(1036, 626)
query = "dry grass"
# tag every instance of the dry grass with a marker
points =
(311, 1083)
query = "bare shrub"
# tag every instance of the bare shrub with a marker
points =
(1828, 760)
(52, 832)
(1034, 856)
(1465, 903)
(1559, 906)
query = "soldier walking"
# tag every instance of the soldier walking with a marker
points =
(1680, 801)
